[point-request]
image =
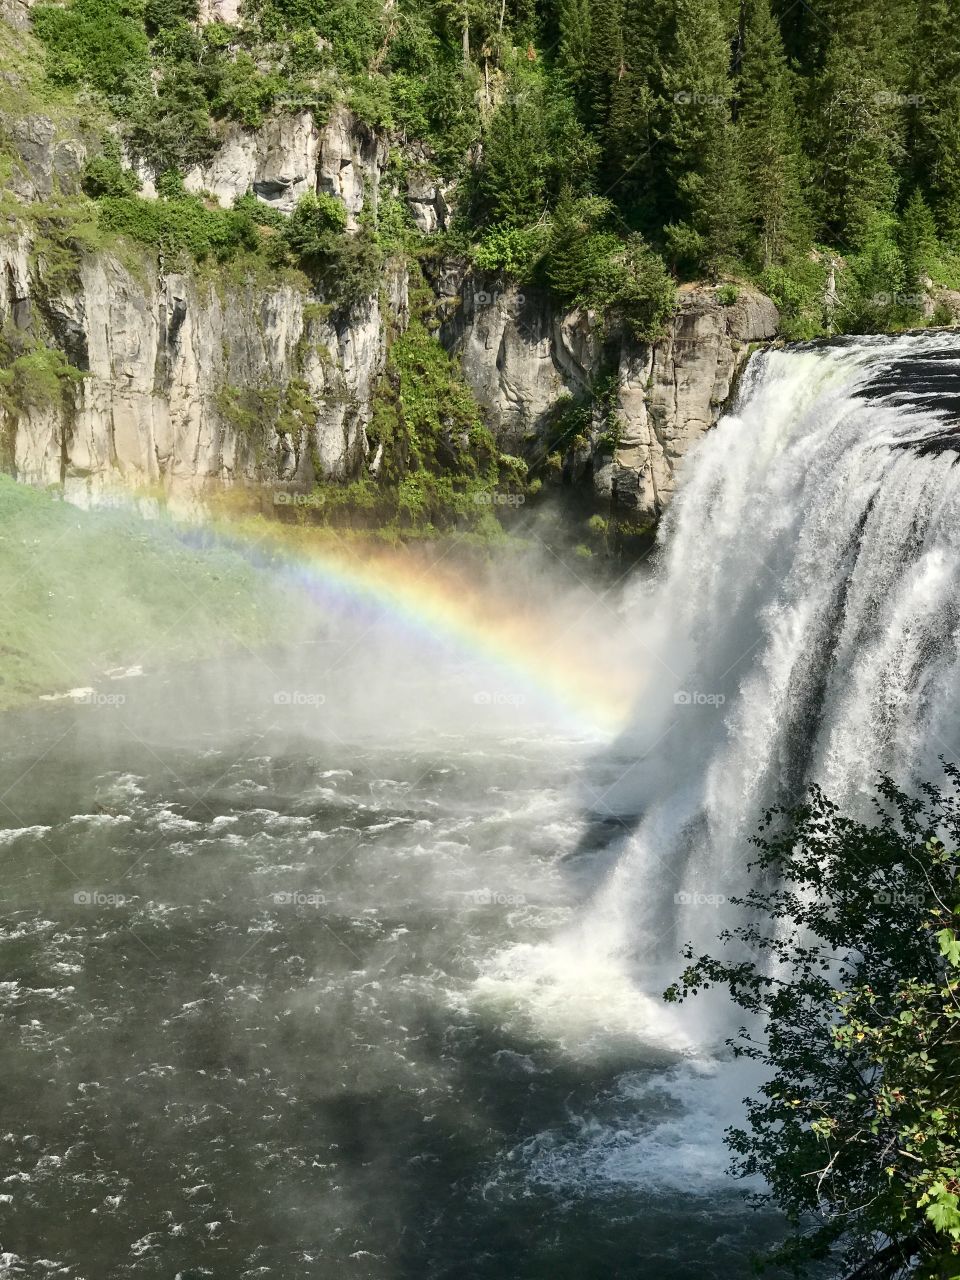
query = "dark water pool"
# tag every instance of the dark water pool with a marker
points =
(271, 1008)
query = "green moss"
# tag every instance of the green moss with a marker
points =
(38, 378)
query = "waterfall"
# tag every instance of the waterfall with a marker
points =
(801, 625)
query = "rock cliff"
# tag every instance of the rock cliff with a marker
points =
(187, 381)
(190, 378)
(522, 356)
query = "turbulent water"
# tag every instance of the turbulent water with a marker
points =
(371, 988)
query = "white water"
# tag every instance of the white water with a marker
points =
(808, 601)
(802, 626)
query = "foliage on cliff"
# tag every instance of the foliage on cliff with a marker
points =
(720, 139)
(848, 967)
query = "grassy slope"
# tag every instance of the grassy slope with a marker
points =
(84, 591)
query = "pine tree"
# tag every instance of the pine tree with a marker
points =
(511, 187)
(770, 162)
(918, 241)
(573, 53)
(695, 135)
(605, 64)
(631, 162)
(934, 111)
(858, 133)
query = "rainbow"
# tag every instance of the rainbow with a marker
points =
(440, 606)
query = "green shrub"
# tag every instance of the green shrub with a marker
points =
(727, 294)
(314, 229)
(798, 291)
(873, 293)
(264, 215)
(97, 42)
(239, 91)
(170, 128)
(38, 377)
(591, 267)
(686, 248)
(184, 225)
(353, 27)
(104, 175)
(160, 14)
(515, 250)
(344, 267)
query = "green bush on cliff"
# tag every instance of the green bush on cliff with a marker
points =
(104, 175)
(314, 228)
(518, 251)
(183, 225)
(798, 289)
(98, 42)
(591, 266)
(33, 376)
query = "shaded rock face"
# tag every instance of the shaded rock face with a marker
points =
(49, 157)
(521, 356)
(517, 355)
(186, 385)
(352, 159)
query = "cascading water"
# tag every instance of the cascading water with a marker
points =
(802, 626)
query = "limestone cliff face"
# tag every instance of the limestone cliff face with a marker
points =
(187, 383)
(673, 390)
(521, 356)
(190, 379)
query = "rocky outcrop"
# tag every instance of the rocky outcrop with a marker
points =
(16, 13)
(290, 156)
(49, 156)
(227, 11)
(185, 384)
(157, 377)
(521, 356)
(429, 199)
(517, 353)
(352, 160)
(278, 163)
(673, 390)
